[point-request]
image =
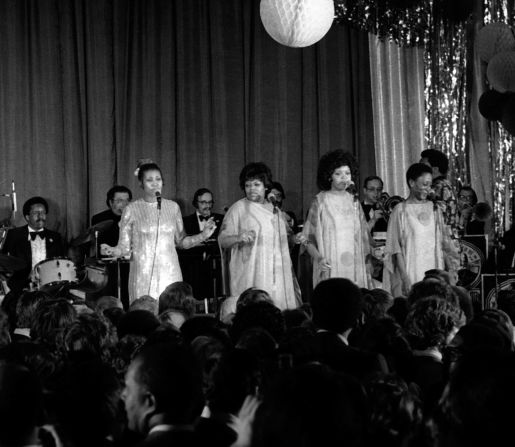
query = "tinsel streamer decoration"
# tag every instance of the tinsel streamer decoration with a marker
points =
(446, 95)
(501, 147)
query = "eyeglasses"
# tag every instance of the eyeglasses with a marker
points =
(121, 201)
(374, 189)
(206, 202)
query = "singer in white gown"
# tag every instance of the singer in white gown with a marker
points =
(254, 236)
(335, 233)
(149, 236)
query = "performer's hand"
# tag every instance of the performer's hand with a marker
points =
(209, 228)
(324, 264)
(247, 237)
(406, 285)
(107, 250)
(301, 239)
(378, 214)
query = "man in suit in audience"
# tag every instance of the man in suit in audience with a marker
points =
(32, 243)
(163, 395)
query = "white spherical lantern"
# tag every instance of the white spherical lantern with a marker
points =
(501, 72)
(297, 23)
(494, 38)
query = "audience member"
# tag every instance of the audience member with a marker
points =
(145, 302)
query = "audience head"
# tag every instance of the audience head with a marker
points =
(26, 307)
(178, 296)
(137, 322)
(252, 295)
(35, 210)
(118, 198)
(329, 163)
(145, 302)
(261, 315)
(163, 385)
(311, 406)
(21, 405)
(432, 287)
(205, 325)
(376, 303)
(107, 302)
(51, 318)
(5, 332)
(437, 160)
(432, 322)
(337, 305)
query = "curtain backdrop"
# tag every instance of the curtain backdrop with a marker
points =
(398, 103)
(87, 87)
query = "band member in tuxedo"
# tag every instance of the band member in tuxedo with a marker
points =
(203, 202)
(118, 197)
(33, 242)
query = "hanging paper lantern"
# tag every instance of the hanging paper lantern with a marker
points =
(501, 72)
(494, 38)
(491, 104)
(297, 23)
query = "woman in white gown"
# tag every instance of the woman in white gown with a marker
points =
(150, 229)
(254, 235)
(335, 233)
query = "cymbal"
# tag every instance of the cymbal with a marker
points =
(89, 234)
(11, 263)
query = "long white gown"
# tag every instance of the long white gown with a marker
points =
(154, 261)
(265, 263)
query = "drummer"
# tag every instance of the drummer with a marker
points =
(118, 197)
(32, 243)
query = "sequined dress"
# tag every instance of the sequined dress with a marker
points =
(138, 231)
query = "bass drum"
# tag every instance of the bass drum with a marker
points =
(53, 273)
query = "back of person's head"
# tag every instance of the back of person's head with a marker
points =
(165, 333)
(258, 341)
(432, 287)
(431, 321)
(236, 375)
(437, 159)
(178, 296)
(506, 303)
(208, 352)
(297, 347)
(337, 304)
(176, 318)
(399, 310)
(204, 325)
(145, 302)
(107, 302)
(395, 410)
(262, 315)
(88, 403)
(21, 405)
(295, 318)
(497, 319)
(26, 307)
(311, 406)
(477, 407)
(137, 322)
(170, 373)
(90, 334)
(50, 320)
(114, 314)
(5, 332)
(376, 303)
(252, 295)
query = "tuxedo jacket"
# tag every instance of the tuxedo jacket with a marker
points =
(191, 226)
(17, 244)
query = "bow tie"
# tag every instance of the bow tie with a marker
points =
(201, 217)
(35, 234)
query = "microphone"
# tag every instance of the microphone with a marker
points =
(13, 198)
(158, 197)
(273, 200)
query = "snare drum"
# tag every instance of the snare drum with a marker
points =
(54, 272)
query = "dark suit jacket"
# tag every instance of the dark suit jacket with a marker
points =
(175, 438)
(110, 235)
(191, 226)
(17, 244)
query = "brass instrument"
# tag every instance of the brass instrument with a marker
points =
(387, 203)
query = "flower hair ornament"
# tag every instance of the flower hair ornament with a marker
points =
(141, 162)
